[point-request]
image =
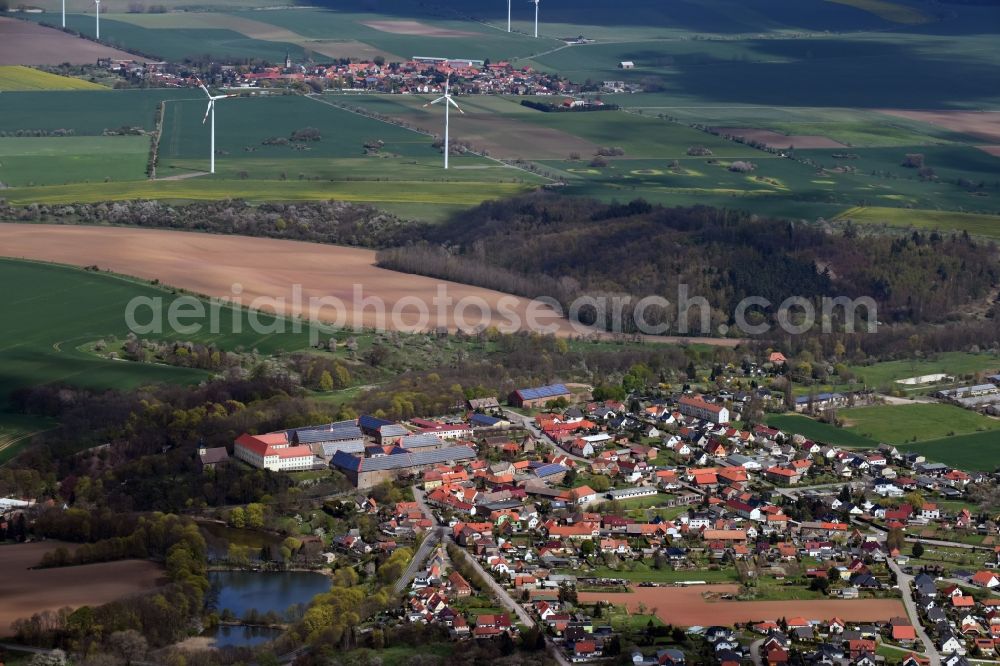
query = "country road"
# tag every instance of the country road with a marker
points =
(904, 581)
(431, 541)
(498, 590)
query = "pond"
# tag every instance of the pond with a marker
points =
(248, 592)
(219, 537)
(244, 591)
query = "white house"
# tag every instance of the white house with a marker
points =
(952, 645)
(886, 489)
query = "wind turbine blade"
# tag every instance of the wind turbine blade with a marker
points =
(439, 99)
(202, 86)
(455, 104)
(208, 110)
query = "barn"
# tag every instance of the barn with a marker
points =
(539, 396)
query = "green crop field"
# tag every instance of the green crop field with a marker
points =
(72, 159)
(900, 424)
(51, 311)
(16, 431)
(244, 124)
(979, 451)
(15, 77)
(85, 112)
(820, 432)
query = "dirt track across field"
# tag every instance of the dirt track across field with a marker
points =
(687, 607)
(416, 28)
(778, 140)
(269, 271)
(25, 591)
(26, 43)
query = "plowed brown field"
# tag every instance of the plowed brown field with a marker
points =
(26, 43)
(687, 607)
(25, 591)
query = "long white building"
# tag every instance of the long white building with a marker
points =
(272, 451)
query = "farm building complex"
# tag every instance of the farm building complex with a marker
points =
(368, 472)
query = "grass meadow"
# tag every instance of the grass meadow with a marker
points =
(902, 424)
(820, 432)
(958, 364)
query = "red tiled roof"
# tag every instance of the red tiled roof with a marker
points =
(272, 444)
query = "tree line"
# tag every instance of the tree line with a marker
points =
(337, 222)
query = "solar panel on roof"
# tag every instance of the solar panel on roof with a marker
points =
(549, 391)
(342, 434)
(329, 448)
(368, 421)
(401, 460)
(441, 455)
(419, 441)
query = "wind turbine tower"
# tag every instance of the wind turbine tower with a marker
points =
(508, 15)
(210, 111)
(536, 18)
(97, 16)
(448, 102)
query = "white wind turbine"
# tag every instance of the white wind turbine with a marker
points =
(508, 15)
(64, 12)
(536, 17)
(212, 99)
(97, 16)
(448, 102)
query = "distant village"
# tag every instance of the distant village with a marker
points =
(418, 75)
